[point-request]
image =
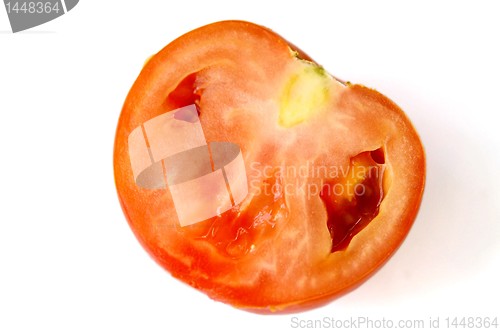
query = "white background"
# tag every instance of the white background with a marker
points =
(68, 260)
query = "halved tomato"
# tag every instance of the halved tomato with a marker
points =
(335, 171)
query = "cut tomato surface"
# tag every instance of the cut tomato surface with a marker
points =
(335, 171)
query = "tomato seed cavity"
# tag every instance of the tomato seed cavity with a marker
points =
(351, 209)
(184, 94)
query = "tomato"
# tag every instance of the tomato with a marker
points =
(335, 172)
